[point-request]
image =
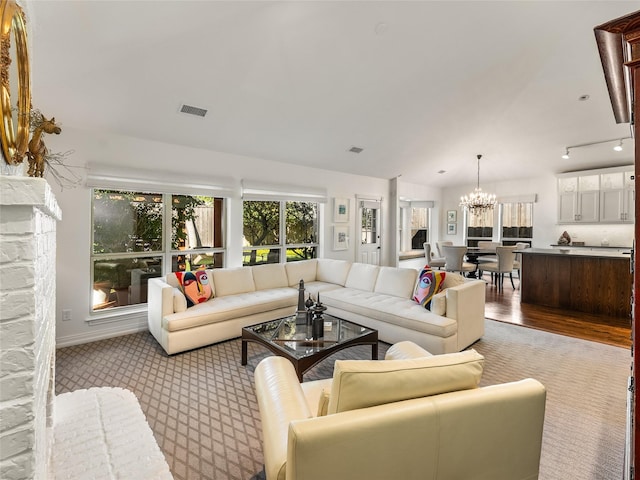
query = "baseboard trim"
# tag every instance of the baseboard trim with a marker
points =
(103, 334)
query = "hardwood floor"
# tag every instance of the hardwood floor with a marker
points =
(505, 306)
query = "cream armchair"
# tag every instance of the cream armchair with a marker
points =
(411, 416)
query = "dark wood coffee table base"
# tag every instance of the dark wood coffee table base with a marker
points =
(303, 364)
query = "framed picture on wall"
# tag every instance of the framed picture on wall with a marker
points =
(340, 238)
(452, 216)
(340, 210)
(451, 229)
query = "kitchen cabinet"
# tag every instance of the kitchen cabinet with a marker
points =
(597, 196)
(617, 197)
(579, 199)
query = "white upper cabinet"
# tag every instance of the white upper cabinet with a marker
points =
(596, 196)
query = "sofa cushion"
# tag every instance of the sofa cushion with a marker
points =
(429, 283)
(301, 270)
(365, 383)
(231, 281)
(453, 280)
(313, 288)
(439, 304)
(398, 282)
(390, 309)
(179, 301)
(332, 271)
(362, 276)
(269, 276)
(230, 307)
(405, 350)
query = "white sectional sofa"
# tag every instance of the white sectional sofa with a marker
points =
(377, 297)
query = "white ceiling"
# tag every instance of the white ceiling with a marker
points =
(422, 86)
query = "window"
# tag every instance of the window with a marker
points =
(137, 236)
(278, 231)
(517, 222)
(479, 227)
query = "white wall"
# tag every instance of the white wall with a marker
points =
(74, 232)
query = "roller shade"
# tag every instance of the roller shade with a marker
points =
(370, 203)
(109, 177)
(277, 192)
(527, 198)
(423, 204)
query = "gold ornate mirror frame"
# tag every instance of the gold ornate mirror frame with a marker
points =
(14, 134)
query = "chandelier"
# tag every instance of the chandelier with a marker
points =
(478, 201)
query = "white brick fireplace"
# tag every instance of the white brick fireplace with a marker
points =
(28, 216)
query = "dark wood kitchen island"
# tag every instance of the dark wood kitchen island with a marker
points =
(584, 281)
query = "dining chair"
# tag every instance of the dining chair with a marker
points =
(439, 249)
(517, 264)
(505, 264)
(454, 259)
(487, 245)
(432, 261)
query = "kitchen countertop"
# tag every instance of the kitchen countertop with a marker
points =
(589, 246)
(577, 252)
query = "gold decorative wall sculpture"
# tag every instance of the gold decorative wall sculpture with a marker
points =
(15, 82)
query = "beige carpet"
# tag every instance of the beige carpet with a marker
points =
(202, 408)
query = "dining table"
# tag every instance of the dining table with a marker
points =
(472, 255)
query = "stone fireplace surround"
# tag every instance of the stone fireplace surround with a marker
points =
(28, 216)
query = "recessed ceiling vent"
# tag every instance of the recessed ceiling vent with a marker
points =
(198, 112)
(356, 149)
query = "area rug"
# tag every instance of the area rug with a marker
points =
(202, 409)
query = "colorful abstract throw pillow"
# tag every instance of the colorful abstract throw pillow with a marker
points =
(195, 286)
(429, 283)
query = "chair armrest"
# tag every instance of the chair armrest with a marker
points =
(465, 304)
(280, 400)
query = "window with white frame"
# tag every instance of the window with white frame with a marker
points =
(479, 226)
(279, 231)
(140, 235)
(516, 222)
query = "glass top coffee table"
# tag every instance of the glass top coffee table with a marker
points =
(294, 341)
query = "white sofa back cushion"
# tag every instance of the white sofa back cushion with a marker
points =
(301, 270)
(365, 383)
(230, 281)
(362, 276)
(270, 276)
(332, 271)
(398, 282)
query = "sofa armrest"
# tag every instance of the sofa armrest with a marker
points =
(159, 304)
(280, 400)
(465, 304)
(405, 350)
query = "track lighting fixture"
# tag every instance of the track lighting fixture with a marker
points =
(617, 148)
